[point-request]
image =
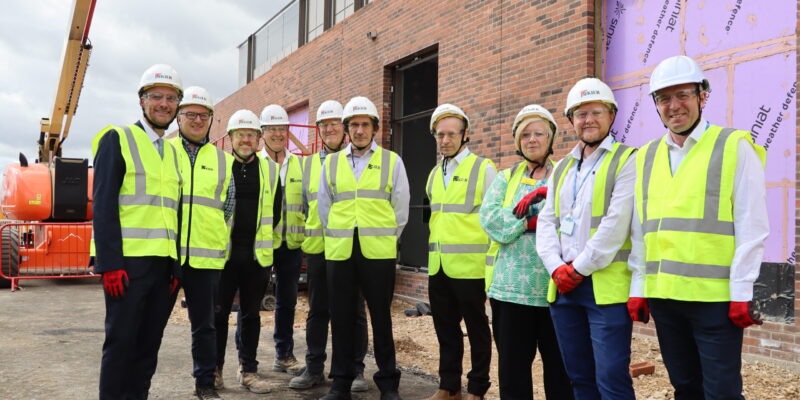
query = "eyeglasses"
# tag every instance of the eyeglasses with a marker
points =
(450, 135)
(274, 129)
(583, 115)
(355, 125)
(330, 125)
(249, 135)
(682, 96)
(526, 136)
(160, 96)
(192, 115)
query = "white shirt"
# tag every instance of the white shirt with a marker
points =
(452, 164)
(284, 164)
(151, 134)
(587, 254)
(399, 197)
(750, 221)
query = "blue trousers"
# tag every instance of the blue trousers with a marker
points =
(287, 273)
(200, 287)
(134, 327)
(595, 342)
(702, 349)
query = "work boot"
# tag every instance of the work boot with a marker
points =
(443, 394)
(290, 365)
(336, 395)
(359, 384)
(390, 395)
(206, 393)
(471, 396)
(256, 384)
(218, 382)
(306, 380)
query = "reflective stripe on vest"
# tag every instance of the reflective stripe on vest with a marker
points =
(364, 203)
(291, 227)
(205, 234)
(611, 283)
(265, 244)
(146, 194)
(457, 242)
(689, 208)
(313, 242)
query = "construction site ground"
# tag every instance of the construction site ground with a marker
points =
(53, 333)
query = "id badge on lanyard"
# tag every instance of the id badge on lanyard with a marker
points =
(568, 223)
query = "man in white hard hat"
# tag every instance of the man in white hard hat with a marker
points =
(583, 239)
(258, 208)
(698, 233)
(288, 235)
(457, 255)
(363, 204)
(135, 229)
(207, 204)
(331, 130)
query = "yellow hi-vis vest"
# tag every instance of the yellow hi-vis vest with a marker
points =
(291, 227)
(687, 219)
(205, 235)
(457, 242)
(511, 190)
(313, 243)
(365, 203)
(148, 197)
(269, 175)
(611, 284)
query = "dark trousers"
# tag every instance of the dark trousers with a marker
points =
(518, 331)
(595, 343)
(242, 272)
(702, 349)
(134, 327)
(451, 301)
(319, 316)
(375, 280)
(287, 273)
(200, 288)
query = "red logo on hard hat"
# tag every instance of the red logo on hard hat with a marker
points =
(241, 121)
(159, 75)
(197, 96)
(359, 108)
(589, 92)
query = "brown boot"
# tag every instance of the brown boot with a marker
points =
(471, 396)
(442, 394)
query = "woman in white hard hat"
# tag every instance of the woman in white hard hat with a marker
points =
(584, 242)
(517, 282)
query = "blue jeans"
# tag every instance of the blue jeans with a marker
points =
(287, 273)
(595, 342)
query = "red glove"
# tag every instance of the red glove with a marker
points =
(115, 282)
(532, 223)
(173, 285)
(638, 309)
(534, 197)
(566, 278)
(742, 315)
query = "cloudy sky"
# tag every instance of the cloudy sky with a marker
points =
(197, 37)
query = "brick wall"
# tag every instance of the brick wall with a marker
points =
(494, 58)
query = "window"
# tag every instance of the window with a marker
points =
(276, 39)
(343, 9)
(243, 66)
(315, 19)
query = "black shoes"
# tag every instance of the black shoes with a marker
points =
(336, 395)
(206, 393)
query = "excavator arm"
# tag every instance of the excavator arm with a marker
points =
(54, 130)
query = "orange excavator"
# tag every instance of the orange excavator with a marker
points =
(47, 203)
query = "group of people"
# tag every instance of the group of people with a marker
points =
(569, 253)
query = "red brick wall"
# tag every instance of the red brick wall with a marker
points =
(494, 58)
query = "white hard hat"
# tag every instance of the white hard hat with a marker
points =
(274, 114)
(329, 109)
(244, 119)
(448, 110)
(588, 90)
(359, 105)
(677, 70)
(199, 96)
(160, 75)
(534, 110)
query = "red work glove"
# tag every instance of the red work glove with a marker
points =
(638, 309)
(532, 223)
(173, 285)
(534, 197)
(566, 278)
(115, 283)
(742, 315)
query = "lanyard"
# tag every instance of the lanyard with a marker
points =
(576, 188)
